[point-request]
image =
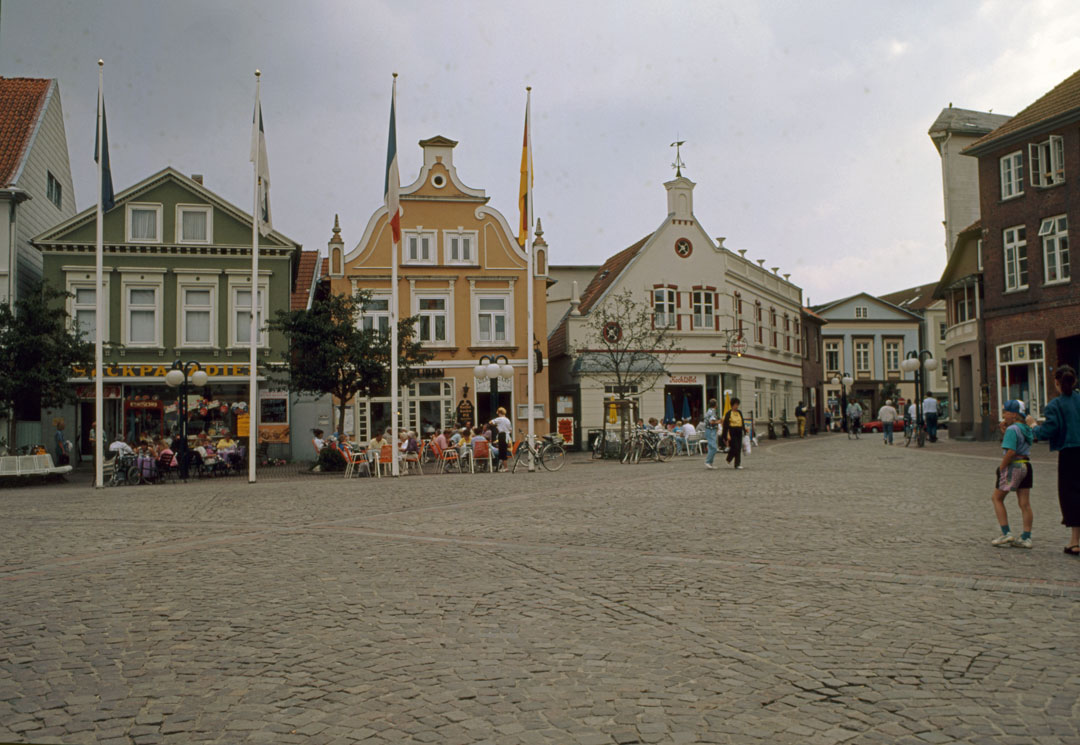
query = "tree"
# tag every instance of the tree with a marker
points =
(39, 343)
(329, 351)
(624, 344)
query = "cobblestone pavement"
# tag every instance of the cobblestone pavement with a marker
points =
(832, 592)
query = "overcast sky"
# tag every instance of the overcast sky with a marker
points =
(805, 122)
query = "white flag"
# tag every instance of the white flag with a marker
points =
(262, 168)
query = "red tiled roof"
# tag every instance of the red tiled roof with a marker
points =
(305, 275)
(603, 278)
(608, 272)
(21, 101)
(815, 316)
(1065, 97)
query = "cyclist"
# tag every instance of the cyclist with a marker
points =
(854, 413)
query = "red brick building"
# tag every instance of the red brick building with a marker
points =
(1029, 193)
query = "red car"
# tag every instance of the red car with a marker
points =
(877, 426)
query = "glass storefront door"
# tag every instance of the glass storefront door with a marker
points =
(1022, 375)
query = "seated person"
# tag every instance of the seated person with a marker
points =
(442, 440)
(377, 442)
(654, 423)
(317, 441)
(226, 442)
(118, 446)
(409, 443)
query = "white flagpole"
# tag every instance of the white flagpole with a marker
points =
(395, 468)
(99, 310)
(253, 385)
(531, 278)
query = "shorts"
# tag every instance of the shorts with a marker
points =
(1016, 476)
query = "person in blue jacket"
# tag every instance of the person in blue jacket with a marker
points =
(1061, 426)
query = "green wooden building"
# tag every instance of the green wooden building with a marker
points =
(177, 274)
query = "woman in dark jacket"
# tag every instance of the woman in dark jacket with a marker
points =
(1061, 426)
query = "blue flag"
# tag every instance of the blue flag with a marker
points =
(107, 200)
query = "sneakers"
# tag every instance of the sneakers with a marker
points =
(738, 468)
(710, 466)
(1005, 540)
(1022, 542)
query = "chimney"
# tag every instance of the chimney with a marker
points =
(197, 178)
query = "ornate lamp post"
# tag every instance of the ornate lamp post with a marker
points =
(847, 380)
(915, 362)
(492, 368)
(179, 376)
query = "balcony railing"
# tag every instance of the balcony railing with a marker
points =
(962, 332)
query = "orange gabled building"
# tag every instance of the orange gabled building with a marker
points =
(460, 269)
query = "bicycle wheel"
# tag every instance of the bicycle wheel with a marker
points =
(625, 449)
(521, 454)
(635, 452)
(552, 456)
(598, 447)
(665, 449)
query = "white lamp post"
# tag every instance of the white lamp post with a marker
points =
(179, 377)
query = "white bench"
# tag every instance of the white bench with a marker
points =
(29, 465)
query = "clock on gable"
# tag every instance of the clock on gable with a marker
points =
(683, 247)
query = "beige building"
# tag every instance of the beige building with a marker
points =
(460, 270)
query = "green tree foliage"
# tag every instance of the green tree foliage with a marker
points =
(38, 345)
(329, 352)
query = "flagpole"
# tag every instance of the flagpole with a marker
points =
(99, 310)
(395, 467)
(531, 277)
(253, 385)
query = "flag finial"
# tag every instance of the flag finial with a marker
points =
(258, 72)
(394, 74)
(528, 87)
(101, 63)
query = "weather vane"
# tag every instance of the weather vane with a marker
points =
(678, 165)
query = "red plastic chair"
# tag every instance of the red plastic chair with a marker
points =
(386, 458)
(481, 454)
(446, 457)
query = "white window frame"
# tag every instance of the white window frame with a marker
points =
(447, 313)
(143, 281)
(862, 311)
(833, 346)
(204, 208)
(375, 315)
(184, 283)
(508, 299)
(1014, 239)
(867, 346)
(893, 349)
(706, 301)
(54, 190)
(1051, 152)
(1054, 232)
(668, 317)
(87, 281)
(449, 236)
(407, 236)
(131, 207)
(1012, 175)
(237, 284)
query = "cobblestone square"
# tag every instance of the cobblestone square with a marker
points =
(834, 591)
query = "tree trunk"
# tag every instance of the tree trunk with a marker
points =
(341, 417)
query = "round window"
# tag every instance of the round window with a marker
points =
(438, 181)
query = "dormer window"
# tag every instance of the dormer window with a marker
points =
(418, 247)
(143, 223)
(194, 223)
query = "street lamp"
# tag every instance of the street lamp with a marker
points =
(492, 368)
(915, 362)
(178, 377)
(847, 380)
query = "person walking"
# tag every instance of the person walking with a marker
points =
(854, 414)
(1061, 426)
(734, 429)
(930, 416)
(800, 417)
(1014, 474)
(887, 416)
(63, 455)
(711, 420)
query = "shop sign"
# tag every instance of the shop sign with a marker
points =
(538, 411)
(564, 404)
(108, 391)
(564, 425)
(158, 371)
(684, 380)
(464, 411)
(243, 425)
(429, 372)
(143, 404)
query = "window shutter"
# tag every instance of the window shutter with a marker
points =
(678, 321)
(678, 299)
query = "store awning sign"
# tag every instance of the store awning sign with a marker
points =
(159, 371)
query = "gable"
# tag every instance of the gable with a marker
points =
(170, 189)
(21, 102)
(876, 310)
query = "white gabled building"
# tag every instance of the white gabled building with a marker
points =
(716, 301)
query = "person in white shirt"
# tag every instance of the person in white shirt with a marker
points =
(118, 446)
(504, 429)
(930, 416)
(683, 432)
(887, 415)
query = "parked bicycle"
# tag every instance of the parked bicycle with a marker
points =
(548, 451)
(648, 443)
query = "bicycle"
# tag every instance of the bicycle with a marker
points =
(548, 451)
(916, 433)
(854, 426)
(646, 442)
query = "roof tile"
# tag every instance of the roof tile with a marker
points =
(21, 101)
(1065, 97)
(305, 276)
